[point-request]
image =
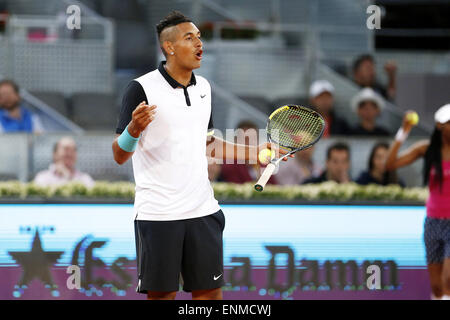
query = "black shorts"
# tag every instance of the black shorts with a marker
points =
(191, 247)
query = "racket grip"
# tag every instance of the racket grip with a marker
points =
(259, 186)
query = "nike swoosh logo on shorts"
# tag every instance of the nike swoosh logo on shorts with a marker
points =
(215, 278)
(202, 96)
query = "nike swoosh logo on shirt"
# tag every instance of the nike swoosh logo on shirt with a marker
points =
(215, 278)
(202, 96)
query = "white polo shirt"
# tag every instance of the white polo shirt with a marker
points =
(170, 165)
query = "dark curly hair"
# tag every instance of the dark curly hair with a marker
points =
(433, 158)
(389, 177)
(172, 19)
(340, 146)
(360, 59)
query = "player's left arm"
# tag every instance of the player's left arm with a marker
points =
(219, 148)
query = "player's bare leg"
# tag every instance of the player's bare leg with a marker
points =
(435, 273)
(446, 277)
(161, 295)
(210, 294)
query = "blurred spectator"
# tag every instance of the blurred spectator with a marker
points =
(337, 165)
(368, 105)
(242, 173)
(297, 170)
(364, 75)
(214, 171)
(376, 172)
(321, 98)
(63, 170)
(13, 116)
(3, 16)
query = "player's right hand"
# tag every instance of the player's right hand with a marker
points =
(141, 117)
(406, 124)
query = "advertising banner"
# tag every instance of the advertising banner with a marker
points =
(87, 251)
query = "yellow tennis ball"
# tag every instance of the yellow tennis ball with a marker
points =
(265, 155)
(413, 118)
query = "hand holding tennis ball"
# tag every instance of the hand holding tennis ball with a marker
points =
(269, 151)
(410, 119)
(265, 155)
(413, 118)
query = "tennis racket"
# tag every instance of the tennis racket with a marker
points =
(293, 128)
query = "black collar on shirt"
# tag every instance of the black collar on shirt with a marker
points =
(174, 83)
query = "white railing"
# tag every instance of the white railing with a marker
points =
(41, 54)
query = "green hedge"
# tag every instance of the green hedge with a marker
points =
(225, 191)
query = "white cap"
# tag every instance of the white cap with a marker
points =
(443, 114)
(367, 94)
(320, 86)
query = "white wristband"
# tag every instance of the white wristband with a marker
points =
(401, 135)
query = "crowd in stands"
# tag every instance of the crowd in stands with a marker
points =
(367, 104)
(303, 170)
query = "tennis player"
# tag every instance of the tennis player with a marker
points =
(436, 153)
(165, 126)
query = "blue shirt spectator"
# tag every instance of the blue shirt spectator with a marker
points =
(14, 117)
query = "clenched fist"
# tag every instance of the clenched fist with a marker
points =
(140, 119)
(390, 68)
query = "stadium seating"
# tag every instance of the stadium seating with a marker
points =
(143, 54)
(130, 19)
(260, 103)
(56, 100)
(7, 176)
(95, 111)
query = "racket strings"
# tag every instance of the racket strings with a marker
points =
(295, 128)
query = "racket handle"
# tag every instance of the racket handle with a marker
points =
(259, 186)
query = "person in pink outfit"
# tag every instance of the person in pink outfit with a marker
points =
(62, 170)
(436, 154)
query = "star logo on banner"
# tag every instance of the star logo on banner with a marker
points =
(36, 263)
